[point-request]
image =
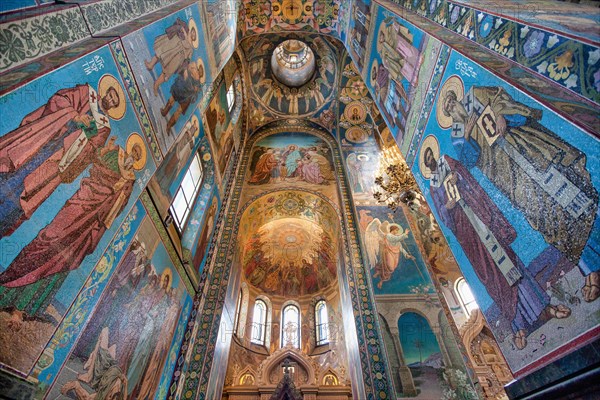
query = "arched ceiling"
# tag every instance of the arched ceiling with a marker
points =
(289, 243)
(270, 99)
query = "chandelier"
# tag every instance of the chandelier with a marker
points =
(395, 181)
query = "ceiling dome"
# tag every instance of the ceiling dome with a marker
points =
(293, 63)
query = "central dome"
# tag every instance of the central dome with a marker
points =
(293, 63)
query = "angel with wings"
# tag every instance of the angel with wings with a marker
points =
(383, 241)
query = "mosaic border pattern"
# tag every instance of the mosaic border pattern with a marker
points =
(136, 100)
(29, 38)
(56, 352)
(569, 62)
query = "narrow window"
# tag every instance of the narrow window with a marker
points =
(321, 324)
(466, 296)
(186, 193)
(259, 322)
(230, 97)
(290, 326)
(238, 314)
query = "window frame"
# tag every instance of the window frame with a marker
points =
(181, 223)
(321, 327)
(283, 325)
(466, 305)
(231, 96)
(262, 326)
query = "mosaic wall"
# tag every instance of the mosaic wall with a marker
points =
(521, 168)
(492, 165)
(91, 127)
(167, 58)
(30, 33)
(398, 272)
(257, 16)
(135, 329)
(219, 301)
(570, 62)
(73, 163)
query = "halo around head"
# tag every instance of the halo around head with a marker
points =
(200, 65)
(455, 84)
(167, 273)
(106, 82)
(373, 72)
(132, 140)
(192, 25)
(194, 121)
(429, 142)
(400, 230)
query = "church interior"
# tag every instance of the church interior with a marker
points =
(299, 199)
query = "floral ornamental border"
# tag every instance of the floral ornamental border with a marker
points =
(571, 63)
(129, 80)
(107, 14)
(27, 39)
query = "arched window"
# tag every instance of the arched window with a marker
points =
(259, 322)
(466, 296)
(321, 324)
(290, 326)
(241, 312)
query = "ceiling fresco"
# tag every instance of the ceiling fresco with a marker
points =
(290, 256)
(278, 100)
(259, 16)
(285, 158)
(289, 243)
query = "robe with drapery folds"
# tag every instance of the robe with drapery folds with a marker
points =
(262, 173)
(324, 165)
(291, 160)
(522, 302)
(79, 226)
(45, 152)
(309, 171)
(173, 48)
(390, 248)
(151, 379)
(38, 128)
(535, 168)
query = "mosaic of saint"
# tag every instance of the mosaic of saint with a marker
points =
(122, 353)
(69, 162)
(522, 203)
(291, 158)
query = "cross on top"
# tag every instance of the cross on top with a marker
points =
(293, 8)
(93, 97)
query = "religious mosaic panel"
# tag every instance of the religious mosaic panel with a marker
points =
(285, 159)
(171, 67)
(290, 15)
(219, 23)
(358, 32)
(125, 349)
(166, 183)
(396, 54)
(516, 194)
(533, 40)
(73, 159)
(217, 119)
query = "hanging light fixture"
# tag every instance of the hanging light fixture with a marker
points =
(395, 181)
